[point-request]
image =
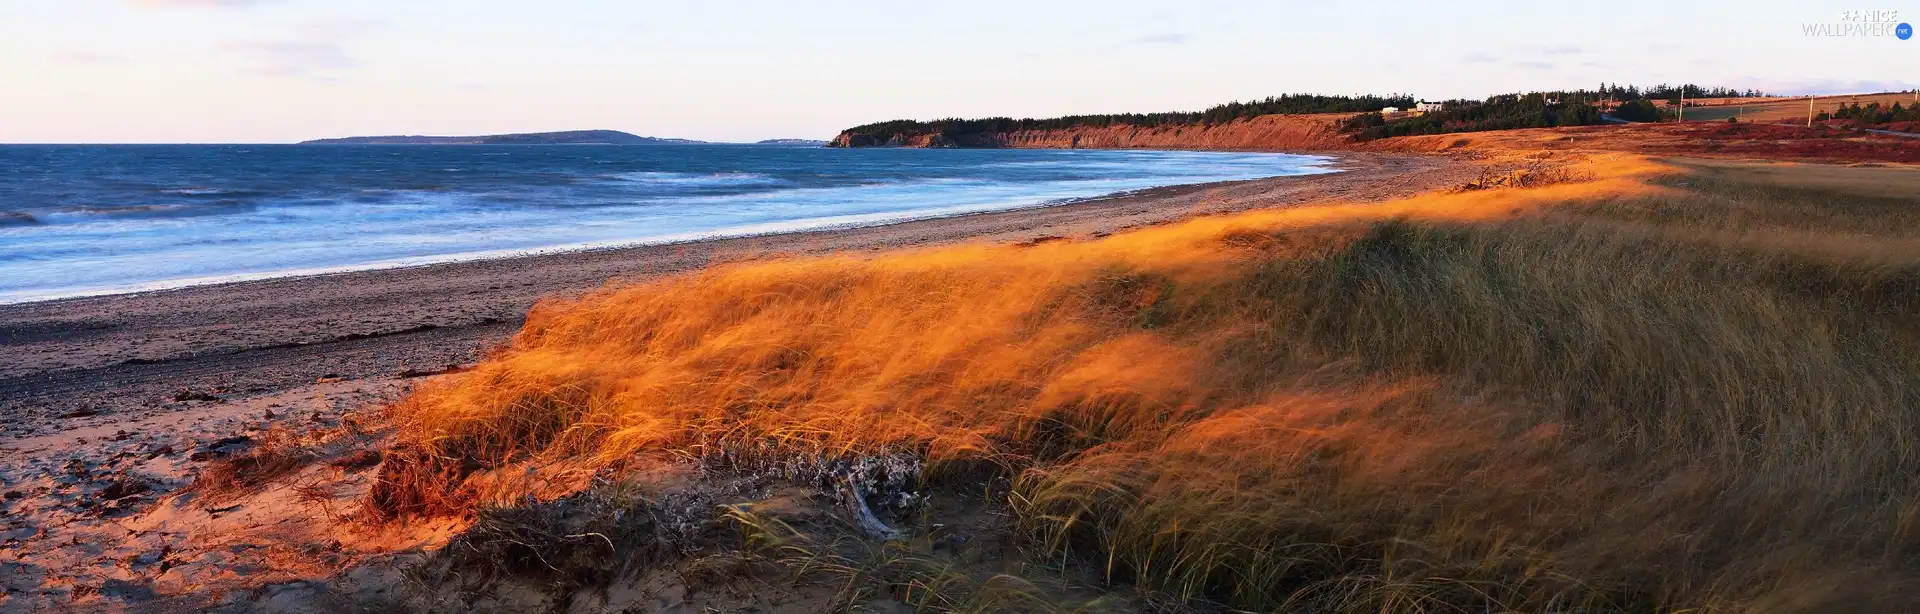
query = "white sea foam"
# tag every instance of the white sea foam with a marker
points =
(507, 207)
(693, 179)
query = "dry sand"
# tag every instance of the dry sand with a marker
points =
(113, 404)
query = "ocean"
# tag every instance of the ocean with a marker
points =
(78, 220)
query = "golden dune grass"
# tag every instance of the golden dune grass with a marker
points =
(1672, 388)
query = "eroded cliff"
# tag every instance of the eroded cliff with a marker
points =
(1263, 133)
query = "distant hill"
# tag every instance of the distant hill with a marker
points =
(793, 142)
(572, 137)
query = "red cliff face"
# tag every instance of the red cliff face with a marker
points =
(1264, 133)
(1267, 132)
(922, 141)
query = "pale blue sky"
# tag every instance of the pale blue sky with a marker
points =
(286, 70)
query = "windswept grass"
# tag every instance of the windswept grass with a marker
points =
(1670, 389)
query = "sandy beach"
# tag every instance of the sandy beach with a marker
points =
(112, 402)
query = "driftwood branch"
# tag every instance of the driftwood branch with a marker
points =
(863, 515)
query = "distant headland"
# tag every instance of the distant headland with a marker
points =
(809, 142)
(571, 137)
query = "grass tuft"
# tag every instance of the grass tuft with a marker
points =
(277, 455)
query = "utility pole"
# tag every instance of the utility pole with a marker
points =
(1683, 104)
(1809, 110)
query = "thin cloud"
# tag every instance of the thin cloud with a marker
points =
(292, 58)
(1834, 86)
(1533, 65)
(1162, 39)
(1484, 57)
(194, 4)
(338, 29)
(317, 50)
(81, 56)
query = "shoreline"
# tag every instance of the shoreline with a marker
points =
(81, 362)
(1323, 168)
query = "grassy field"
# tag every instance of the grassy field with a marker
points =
(1684, 386)
(1777, 110)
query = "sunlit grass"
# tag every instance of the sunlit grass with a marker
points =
(1672, 388)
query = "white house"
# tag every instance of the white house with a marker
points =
(1429, 107)
(1390, 110)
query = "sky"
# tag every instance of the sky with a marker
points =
(267, 71)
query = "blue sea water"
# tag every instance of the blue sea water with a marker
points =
(96, 219)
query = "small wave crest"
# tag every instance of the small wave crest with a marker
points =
(89, 213)
(17, 218)
(696, 179)
(83, 212)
